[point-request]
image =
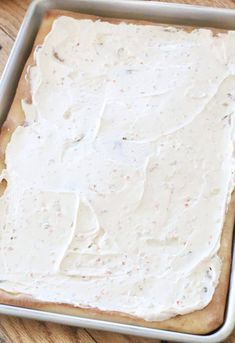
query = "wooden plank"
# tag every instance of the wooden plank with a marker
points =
(6, 43)
(11, 15)
(109, 337)
(231, 339)
(16, 330)
(210, 3)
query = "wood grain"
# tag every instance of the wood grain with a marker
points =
(6, 43)
(109, 337)
(15, 330)
(11, 15)
(210, 3)
(31, 331)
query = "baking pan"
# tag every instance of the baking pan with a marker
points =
(146, 10)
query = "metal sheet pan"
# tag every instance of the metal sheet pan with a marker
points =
(146, 10)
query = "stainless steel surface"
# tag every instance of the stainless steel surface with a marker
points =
(158, 12)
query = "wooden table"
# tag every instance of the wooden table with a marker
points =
(13, 330)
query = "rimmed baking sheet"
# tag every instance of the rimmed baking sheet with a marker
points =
(146, 10)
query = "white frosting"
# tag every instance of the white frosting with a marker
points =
(119, 179)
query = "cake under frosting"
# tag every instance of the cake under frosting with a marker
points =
(119, 179)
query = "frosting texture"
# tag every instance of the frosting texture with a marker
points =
(119, 180)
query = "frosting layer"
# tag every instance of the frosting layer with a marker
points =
(119, 180)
